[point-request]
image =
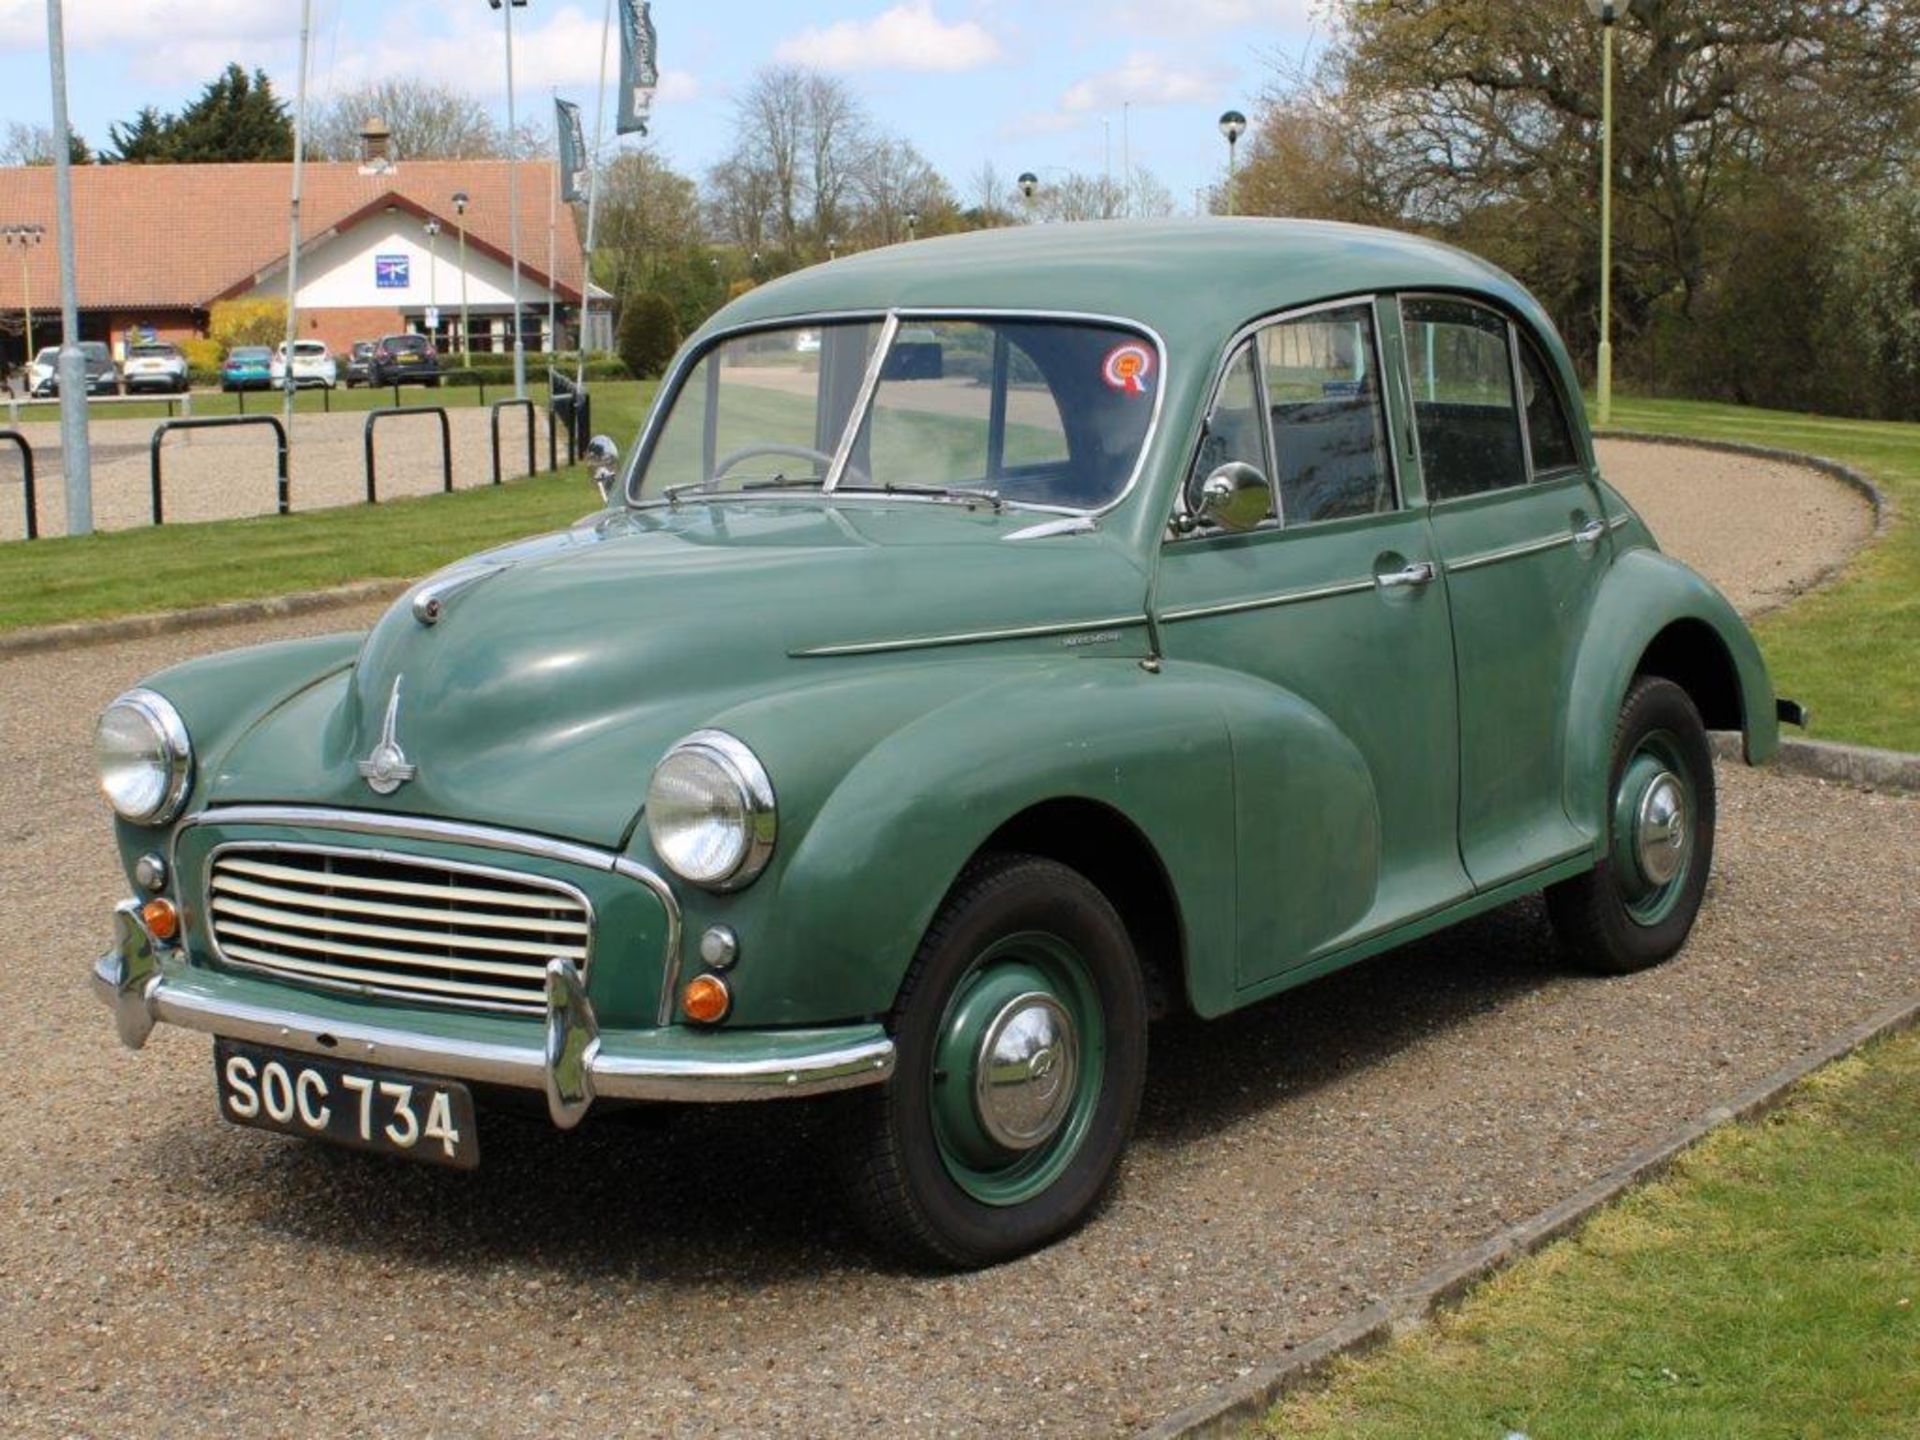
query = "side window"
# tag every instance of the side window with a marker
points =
(1548, 433)
(1233, 426)
(1329, 422)
(1461, 368)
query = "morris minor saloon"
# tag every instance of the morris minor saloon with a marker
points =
(991, 643)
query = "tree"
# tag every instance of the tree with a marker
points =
(800, 141)
(143, 142)
(429, 120)
(649, 335)
(236, 117)
(896, 181)
(33, 145)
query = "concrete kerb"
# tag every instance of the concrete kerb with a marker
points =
(1828, 760)
(1233, 1408)
(81, 633)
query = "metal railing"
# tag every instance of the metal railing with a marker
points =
(446, 443)
(219, 422)
(26, 475)
(533, 424)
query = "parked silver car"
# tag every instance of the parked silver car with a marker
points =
(156, 365)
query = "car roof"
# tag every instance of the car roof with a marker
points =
(1193, 281)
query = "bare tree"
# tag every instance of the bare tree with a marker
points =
(649, 213)
(23, 144)
(991, 201)
(896, 181)
(429, 121)
(838, 146)
(770, 129)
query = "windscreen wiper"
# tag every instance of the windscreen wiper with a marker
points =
(950, 492)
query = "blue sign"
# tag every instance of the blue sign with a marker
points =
(390, 271)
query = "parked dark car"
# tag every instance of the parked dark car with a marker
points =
(354, 368)
(103, 378)
(402, 360)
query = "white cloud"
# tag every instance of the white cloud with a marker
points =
(149, 22)
(907, 37)
(1145, 79)
(559, 49)
(1189, 17)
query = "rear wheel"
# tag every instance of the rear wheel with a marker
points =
(1022, 1037)
(1637, 906)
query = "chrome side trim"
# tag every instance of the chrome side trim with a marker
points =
(1045, 529)
(455, 832)
(1509, 552)
(966, 637)
(1268, 602)
(430, 600)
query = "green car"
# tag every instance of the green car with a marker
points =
(1186, 611)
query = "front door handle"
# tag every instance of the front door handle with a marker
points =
(1590, 533)
(1419, 573)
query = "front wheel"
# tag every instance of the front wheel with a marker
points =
(1637, 906)
(1022, 1042)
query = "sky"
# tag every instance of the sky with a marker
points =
(1045, 85)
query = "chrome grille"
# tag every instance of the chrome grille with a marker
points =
(369, 921)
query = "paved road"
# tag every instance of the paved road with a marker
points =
(163, 1273)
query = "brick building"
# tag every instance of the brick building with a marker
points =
(157, 246)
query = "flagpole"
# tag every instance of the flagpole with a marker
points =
(593, 200)
(293, 230)
(553, 220)
(513, 213)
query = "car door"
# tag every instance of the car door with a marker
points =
(1346, 779)
(1519, 530)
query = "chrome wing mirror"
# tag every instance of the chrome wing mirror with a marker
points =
(1234, 497)
(604, 456)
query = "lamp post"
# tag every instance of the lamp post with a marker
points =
(1608, 13)
(1232, 125)
(1028, 183)
(25, 237)
(833, 247)
(433, 277)
(513, 200)
(913, 225)
(460, 223)
(76, 455)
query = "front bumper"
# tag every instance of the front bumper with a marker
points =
(572, 1060)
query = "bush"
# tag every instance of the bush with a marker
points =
(203, 357)
(649, 334)
(247, 322)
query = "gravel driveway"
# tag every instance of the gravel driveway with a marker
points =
(164, 1273)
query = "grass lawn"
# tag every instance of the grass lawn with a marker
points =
(1768, 1288)
(1852, 651)
(127, 572)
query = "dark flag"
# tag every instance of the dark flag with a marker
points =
(639, 66)
(573, 150)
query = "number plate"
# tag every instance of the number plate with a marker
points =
(414, 1116)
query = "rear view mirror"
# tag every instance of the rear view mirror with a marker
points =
(604, 458)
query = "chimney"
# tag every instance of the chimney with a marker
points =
(376, 144)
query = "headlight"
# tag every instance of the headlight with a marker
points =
(710, 811)
(145, 758)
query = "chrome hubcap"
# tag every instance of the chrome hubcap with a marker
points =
(1660, 830)
(1024, 1081)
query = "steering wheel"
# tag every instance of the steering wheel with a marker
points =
(747, 452)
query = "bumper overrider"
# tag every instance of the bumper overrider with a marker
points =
(144, 982)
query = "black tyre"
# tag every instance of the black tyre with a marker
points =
(1021, 1030)
(1637, 906)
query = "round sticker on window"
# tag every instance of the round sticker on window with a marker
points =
(1127, 367)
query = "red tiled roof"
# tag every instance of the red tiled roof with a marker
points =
(183, 236)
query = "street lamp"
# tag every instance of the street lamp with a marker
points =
(1232, 125)
(1028, 183)
(913, 225)
(1609, 13)
(460, 221)
(433, 278)
(25, 237)
(513, 200)
(833, 247)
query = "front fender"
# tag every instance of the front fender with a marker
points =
(1643, 593)
(221, 697)
(889, 783)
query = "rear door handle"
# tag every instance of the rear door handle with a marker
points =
(1590, 533)
(1411, 578)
